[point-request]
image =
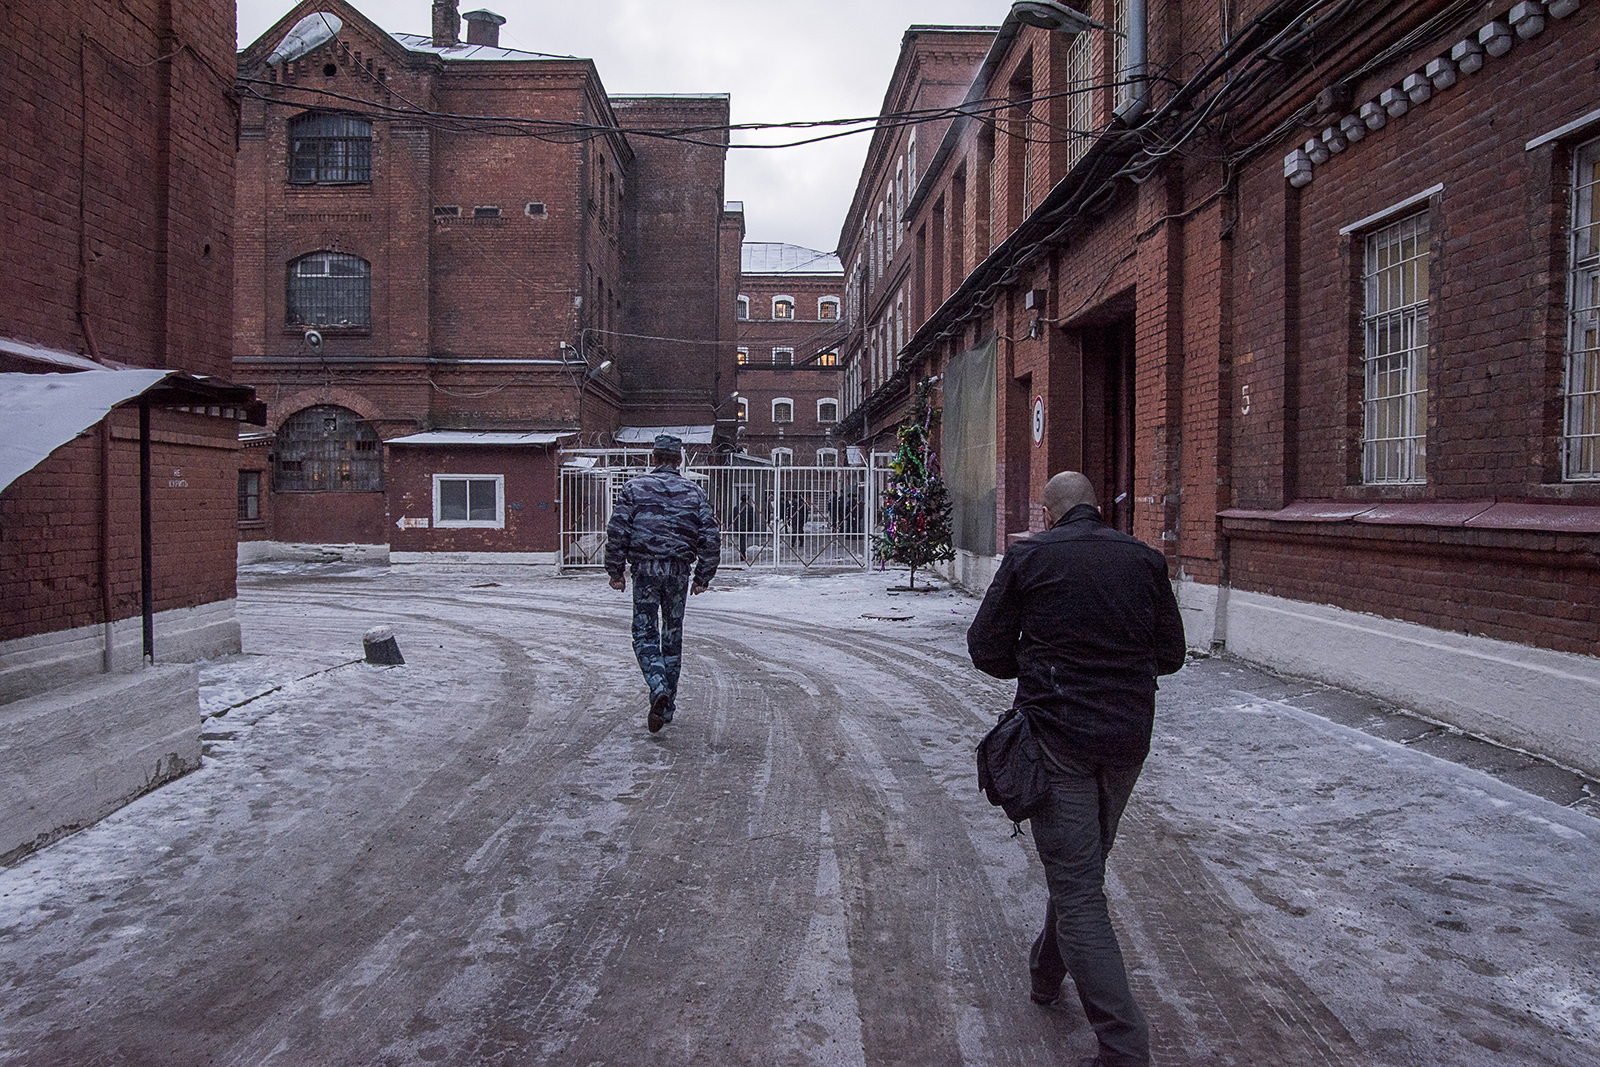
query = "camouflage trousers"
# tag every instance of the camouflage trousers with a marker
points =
(658, 601)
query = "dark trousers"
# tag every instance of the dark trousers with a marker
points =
(1073, 834)
(658, 601)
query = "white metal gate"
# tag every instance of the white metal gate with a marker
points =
(778, 517)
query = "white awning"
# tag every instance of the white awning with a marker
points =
(42, 412)
(500, 439)
(646, 435)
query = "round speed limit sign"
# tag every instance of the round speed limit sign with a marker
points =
(1038, 419)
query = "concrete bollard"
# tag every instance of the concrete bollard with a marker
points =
(380, 646)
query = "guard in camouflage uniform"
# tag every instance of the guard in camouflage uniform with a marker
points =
(662, 524)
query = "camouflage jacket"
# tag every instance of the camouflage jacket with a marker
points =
(663, 524)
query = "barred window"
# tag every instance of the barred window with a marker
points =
(828, 359)
(249, 496)
(325, 147)
(1395, 367)
(783, 357)
(328, 449)
(329, 289)
(828, 308)
(827, 410)
(1581, 441)
(783, 410)
(782, 307)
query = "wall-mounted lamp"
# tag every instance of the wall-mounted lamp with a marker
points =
(1048, 15)
(597, 371)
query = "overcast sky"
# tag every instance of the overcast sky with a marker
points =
(780, 60)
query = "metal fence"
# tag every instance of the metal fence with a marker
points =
(774, 517)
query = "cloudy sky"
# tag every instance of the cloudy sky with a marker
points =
(780, 60)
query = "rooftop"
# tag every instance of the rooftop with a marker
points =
(774, 257)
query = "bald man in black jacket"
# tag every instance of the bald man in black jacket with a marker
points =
(1084, 618)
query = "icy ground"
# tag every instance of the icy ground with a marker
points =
(483, 858)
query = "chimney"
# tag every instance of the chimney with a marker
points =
(483, 27)
(446, 24)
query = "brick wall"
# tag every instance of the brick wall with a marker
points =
(117, 176)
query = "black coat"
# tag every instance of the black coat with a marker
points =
(1084, 618)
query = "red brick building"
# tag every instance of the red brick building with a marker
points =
(119, 447)
(790, 325)
(487, 254)
(1315, 310)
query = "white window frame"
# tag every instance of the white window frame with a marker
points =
(499, 521)
(782, 400)
(828, 400)
(783, 457)
(831, 454)
(744, 410)
(743, 356)
(823, 302)
(783, 356)
(744, 308)
(1394, 325)
(1580, 431)
(784, 300)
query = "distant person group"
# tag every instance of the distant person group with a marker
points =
(1081, 615)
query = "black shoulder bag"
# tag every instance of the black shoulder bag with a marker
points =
(1011, 767)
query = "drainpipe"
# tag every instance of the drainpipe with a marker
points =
(1139, 91)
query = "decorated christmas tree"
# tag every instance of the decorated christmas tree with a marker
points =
(914, 527)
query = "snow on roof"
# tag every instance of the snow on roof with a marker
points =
(773, 257)
(42, 412)
(420, 43)
(483, 437)
(646, 435)
(52, 357)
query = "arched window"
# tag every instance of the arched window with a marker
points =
(828, 308)
(329, 289)
(744, 410)
(783, 457)
(783, 410)
(828, 410)
(743, 356)
(327, 147)
(827, 457)
(327, 449)
(783, 357)
(744, 307)
(783, 307)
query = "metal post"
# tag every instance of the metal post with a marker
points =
(146, 555)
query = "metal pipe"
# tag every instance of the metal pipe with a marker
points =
(1138, 55)
(146, 525)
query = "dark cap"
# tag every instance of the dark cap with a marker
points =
(667, 443)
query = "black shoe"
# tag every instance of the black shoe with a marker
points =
(672, 706)
(1045, 996)
(658, 709)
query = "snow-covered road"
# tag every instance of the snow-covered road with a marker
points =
(483, 858)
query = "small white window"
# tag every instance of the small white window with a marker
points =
(827, 359)
(744, 410)
(469, 500)
(744, 307)
(828, 308)
(783, 410)
(783, 457)
(783, 307)
(828, 410)
(783, 357)
(744, 356)
(827, 457)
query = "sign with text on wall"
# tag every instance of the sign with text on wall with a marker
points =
(408, 523)
(1038, 419)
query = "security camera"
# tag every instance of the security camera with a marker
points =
(313, 341)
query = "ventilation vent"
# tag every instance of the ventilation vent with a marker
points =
(448, 212)
(485, 212)
(534, 208)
